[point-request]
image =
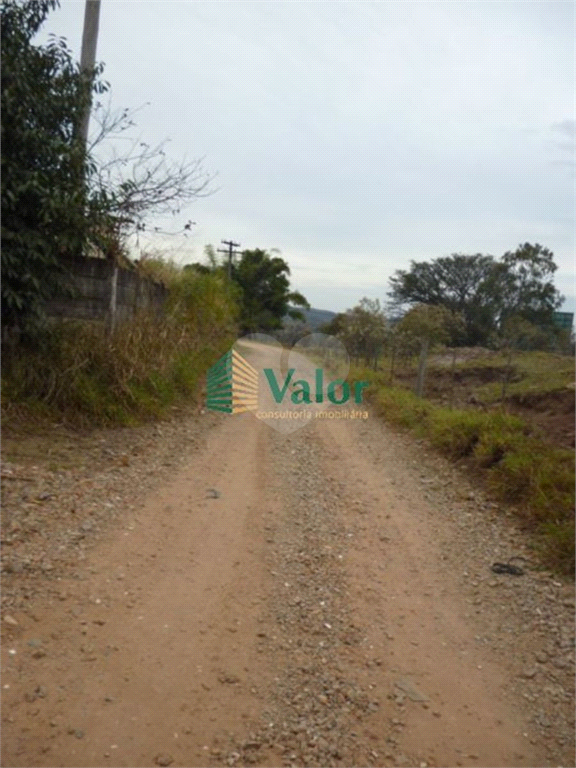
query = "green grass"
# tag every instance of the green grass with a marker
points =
(531, 372)
(538, 372)
(534, 477)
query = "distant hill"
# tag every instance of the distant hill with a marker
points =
(314, 317)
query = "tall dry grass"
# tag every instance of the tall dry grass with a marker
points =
(82, 372)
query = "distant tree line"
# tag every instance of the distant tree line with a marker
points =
(486, 292)
(260, 282)
(460, 300)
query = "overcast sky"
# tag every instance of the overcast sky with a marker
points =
(355, 136)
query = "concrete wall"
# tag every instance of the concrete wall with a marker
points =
(103, 291)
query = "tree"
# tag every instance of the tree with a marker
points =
(428, 325)
(461, 283)
(47, 210)
(485, 291)
(142, 181)
(362, 329)
(292, 332)
(266, 295)
(335, 326)
(525, 285)
(56, 198)
(516, 333)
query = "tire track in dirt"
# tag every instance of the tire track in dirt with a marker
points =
(153, 652)
(365, 618)
(414, 614)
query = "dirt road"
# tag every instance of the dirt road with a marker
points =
(318, 598)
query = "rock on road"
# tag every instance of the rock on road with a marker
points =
(318, 598)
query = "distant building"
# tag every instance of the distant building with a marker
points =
(564, 320)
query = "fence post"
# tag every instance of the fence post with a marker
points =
(113, 299)
(422, 368)
(453, 378)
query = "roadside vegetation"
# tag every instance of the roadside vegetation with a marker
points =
(507, 413)
(469, 357)
(65, 200)
(520, 468)
(82, 372)
(90, 375)
(62, 200)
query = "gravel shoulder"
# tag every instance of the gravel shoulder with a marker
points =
(213, 592)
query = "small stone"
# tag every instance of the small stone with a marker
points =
(163, 759)
(544, 721)
(529, 673)
(406, 685)
(79, 734)
(10, 620)
(230, 679)
(12, 566)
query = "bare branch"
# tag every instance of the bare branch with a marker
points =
(139, 179)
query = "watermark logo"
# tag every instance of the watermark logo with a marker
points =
(286, 388)
(232, 385)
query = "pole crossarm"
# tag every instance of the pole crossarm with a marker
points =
(231, 252)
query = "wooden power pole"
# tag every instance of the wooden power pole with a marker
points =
(231, 252)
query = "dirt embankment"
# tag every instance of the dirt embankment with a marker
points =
(549, 414)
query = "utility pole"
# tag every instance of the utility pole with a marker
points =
(231, 252)
(88, 55)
